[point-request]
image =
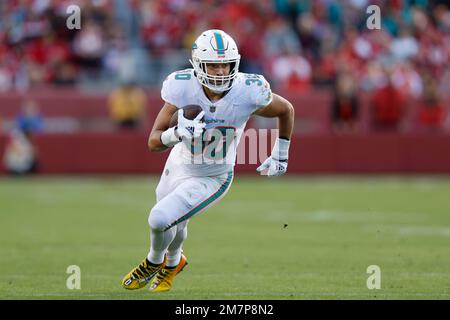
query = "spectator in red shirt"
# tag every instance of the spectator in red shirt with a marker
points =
(387, 107)
(345, 104)
(291, 72)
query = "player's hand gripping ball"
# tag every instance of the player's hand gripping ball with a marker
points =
(189, 122)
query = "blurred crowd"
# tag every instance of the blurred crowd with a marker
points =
(295, 43)
(298, 45)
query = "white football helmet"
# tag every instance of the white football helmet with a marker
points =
(215, 46)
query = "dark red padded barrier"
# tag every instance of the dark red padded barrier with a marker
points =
(127, 153)
(314, 148)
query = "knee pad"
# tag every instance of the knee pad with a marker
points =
(158, 220)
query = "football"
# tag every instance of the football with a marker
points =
(189, 112)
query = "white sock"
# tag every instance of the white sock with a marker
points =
(173, 258)
(160, 241)
(175, 249)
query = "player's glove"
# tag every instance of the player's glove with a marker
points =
(189, 129)
(278, 161)
(185, 130)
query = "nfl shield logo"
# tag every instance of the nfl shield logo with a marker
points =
(212, 108)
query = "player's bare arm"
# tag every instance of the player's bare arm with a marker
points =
(160, 125)
(163, 136)
(282, 109)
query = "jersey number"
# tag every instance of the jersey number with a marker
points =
(215, 143)
(251, 78)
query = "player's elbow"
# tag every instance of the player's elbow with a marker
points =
(151, 145)
(289, 110)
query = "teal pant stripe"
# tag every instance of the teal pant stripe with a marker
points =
(206, 202)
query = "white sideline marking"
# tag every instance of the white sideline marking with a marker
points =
(411, 230)
(339, 216)
(424, 231)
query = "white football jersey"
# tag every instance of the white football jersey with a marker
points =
(215, 152)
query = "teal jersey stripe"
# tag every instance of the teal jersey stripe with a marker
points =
(206, 202)
(219, 41)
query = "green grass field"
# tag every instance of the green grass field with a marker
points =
(238, 249)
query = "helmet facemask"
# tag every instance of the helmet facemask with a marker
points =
(216, 84)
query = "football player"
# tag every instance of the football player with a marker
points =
(227, 99)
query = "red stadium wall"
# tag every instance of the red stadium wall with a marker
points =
(314, 148)
(127, 153)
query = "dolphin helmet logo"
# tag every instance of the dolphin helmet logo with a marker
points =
(219, 46)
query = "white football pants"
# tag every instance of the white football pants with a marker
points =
(179, 198)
